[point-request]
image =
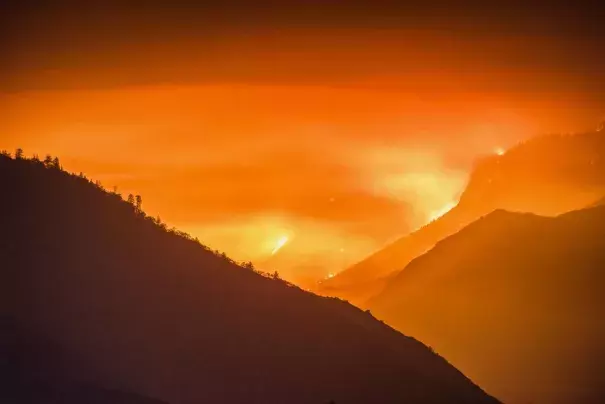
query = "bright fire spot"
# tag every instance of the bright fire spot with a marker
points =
(500, 151)
(440, 212)
(329, 276)
(280, 243)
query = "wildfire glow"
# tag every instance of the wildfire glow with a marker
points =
(329, 276)
(500, 151)
(280, 243)
(440, 212)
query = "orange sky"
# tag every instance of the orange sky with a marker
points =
(339, 138)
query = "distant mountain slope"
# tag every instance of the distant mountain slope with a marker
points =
(547, 175)
(136, 308)
(365, 279)
(599, 202)
(514, 300)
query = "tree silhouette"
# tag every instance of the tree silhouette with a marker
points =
(131, 199)
(249, 265)
(139, 202)
(158, 221)
(56, 164)
(275, 275)
(5, 153)
(48, 160)
(19, 153)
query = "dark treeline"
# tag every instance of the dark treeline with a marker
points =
(136, 201)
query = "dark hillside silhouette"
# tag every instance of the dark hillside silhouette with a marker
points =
(514, 300)
(547, 175)
(36, 370)
(123, 304)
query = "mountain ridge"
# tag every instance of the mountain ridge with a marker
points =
(187, 324)
(515, 301)
(546, 175)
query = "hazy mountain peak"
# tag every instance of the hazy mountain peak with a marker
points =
(546, 175)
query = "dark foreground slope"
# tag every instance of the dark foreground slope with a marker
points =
(547, 175)
(36, 370)
(514, 300)
(134, 308)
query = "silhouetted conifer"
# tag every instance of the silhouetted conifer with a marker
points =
(56, 164)
(19, 154)
(139, 203)
(48, 160)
